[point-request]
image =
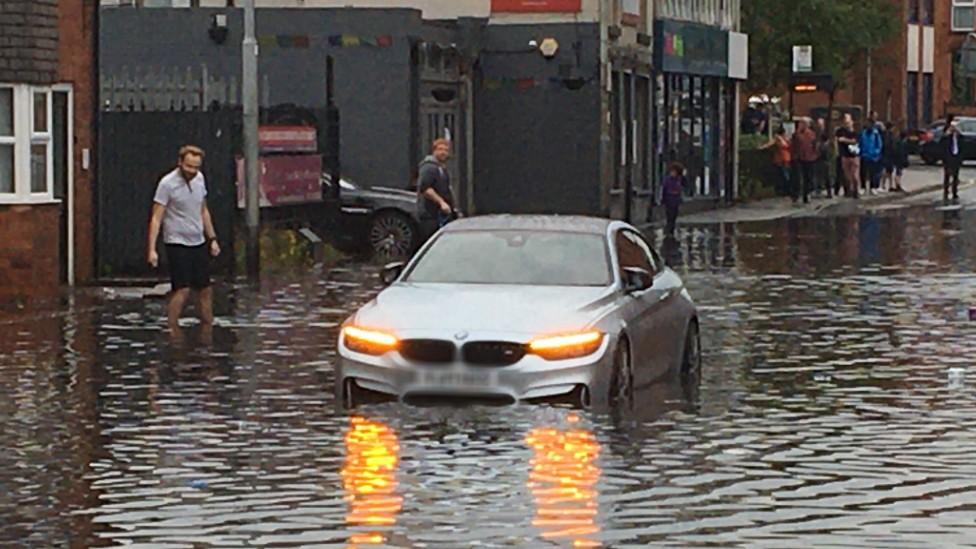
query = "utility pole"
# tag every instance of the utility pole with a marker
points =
(249, 90)
(868, 103)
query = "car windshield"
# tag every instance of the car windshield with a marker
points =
(534, 258)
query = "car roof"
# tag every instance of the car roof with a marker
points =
(546, 223)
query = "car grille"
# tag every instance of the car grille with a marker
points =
(493, 353)
(430, 351)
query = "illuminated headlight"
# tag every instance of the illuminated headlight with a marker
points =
(567, 346)
(369, 342)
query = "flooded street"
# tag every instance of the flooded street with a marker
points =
(826, 416)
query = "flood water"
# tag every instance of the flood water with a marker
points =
(826, 416)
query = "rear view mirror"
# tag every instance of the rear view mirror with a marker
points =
(637, 279)
(391, 272)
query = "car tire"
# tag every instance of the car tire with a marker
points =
(352, 395)
(691, 358)
(621, 393)
(392, 235)
(929, 160)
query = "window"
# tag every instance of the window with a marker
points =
(541, 258)
(927, 93)
(962, 87)
(7, 140)
(633, 251)
(913, 11)
(26, 156)
(963, 12)
(928, 12)
(912, 100)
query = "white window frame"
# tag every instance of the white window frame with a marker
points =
(24, 137)
(971, 4)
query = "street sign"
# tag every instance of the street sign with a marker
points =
(802, 59)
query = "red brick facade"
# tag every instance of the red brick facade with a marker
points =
(29, 255)
(76, 56)
(49, 42)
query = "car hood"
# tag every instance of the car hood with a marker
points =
(413, 309)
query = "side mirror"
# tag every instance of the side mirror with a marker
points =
(637, 280)
(391, 272)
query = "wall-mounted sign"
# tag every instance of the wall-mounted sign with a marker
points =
(630, 12)
(285, 180)
(691, 48)
(288, 139)
(802, 58)
(536, 6)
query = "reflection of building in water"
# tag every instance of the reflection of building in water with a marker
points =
(369, 480)
(563, 482)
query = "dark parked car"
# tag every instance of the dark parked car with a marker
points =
(931, 149)
(376, 221)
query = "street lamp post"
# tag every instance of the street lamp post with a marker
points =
(249, 92)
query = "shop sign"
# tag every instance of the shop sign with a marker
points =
(288, 139)
(536, 6)
(691, 48)
(802, 59)
(285, 180)
(631, 12)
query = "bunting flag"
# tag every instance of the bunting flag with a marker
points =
(524, 84)
(353, 41)
(269, 41)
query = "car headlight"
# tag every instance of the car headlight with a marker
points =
(566, 346)
(369, 342)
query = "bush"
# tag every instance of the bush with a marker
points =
(757, 175)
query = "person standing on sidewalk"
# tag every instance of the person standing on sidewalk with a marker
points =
(672, 191)
(782, 159)
(180, 210)
(871, 144)
(850, 156)
(822, 172)
(804, 149)
(434, 188)
(951, 159)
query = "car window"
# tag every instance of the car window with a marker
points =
(969, 126)
(536, 258)
(633, 251)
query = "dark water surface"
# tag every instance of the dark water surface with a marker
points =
(826, 416)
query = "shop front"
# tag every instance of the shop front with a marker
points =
(695, 107)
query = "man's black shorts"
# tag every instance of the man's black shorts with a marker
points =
(189, 266)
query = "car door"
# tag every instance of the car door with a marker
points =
(641, 309)
(967, 129)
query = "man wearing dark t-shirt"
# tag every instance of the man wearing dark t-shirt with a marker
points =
(434, 186)
(850, 156)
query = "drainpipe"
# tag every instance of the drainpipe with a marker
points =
(605, 83)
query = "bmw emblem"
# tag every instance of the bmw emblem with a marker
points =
(461, 336)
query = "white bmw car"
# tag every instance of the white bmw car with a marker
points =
(522, 308)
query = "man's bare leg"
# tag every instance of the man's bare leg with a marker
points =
(177, 300)
(205, 305)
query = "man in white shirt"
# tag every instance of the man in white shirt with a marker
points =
(180, 210)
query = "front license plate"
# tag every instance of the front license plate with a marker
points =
(457, 379)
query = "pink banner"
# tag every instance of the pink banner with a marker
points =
(285, 180)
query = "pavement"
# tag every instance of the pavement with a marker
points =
(918, 181)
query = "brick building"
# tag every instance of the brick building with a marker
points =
(914, 77)
(46, 109)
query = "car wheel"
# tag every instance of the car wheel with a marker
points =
(929, 160)
(691, 359)
(622, 382)
(391, 235)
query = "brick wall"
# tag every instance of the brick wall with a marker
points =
(76, 67)
(28, 41)
(29, 255)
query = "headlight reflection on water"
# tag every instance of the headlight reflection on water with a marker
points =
(369, 480)
(563, 479)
